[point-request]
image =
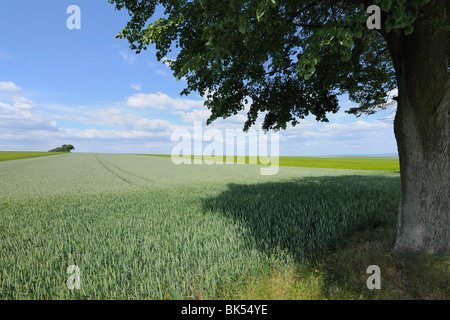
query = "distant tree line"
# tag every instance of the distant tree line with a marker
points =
(63, 148)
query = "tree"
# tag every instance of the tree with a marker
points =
(67, 147)
(63, 148)
(291, 58)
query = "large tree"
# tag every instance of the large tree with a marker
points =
(63, 148)
(290, 58)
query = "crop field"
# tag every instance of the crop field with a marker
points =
(14, 155)
(141, 227)
(352, 163)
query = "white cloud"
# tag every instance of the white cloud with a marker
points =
(116, 118)
(26, 124)
(338, 131)
(136, 86)
(355, 137)
(195, 115)
(14, 120)
(9, 86)
(161, 101)
(23, 103)
(108, 134)
(12, 93)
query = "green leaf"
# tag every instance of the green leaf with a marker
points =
(242, 24)
(386, 5)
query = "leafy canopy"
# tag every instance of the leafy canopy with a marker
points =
(286, 59)
(63, 148)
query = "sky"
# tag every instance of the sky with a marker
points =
(85, 87)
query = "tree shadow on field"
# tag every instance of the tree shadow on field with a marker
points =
(308, 215)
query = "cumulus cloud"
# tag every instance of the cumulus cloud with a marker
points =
(117, 119)
(14, 120)
(109, 134)
(119, 132)
(19, 114)
(9, 86)
(28, 125)
(337, 131)
(161, 101)
(195, 115)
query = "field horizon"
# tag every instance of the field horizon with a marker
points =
(376, 163)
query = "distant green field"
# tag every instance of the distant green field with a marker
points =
(351, 163)
(14, 155)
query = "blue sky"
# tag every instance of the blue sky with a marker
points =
(87, 88)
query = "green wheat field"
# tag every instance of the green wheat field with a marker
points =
(14, 155)
(141, 227)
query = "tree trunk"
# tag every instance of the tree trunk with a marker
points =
(422, 130)
(423, 221)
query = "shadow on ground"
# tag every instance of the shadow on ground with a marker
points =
(306, 216)
(334, 227)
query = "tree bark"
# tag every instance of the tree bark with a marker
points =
(423, 218)
(422, 130)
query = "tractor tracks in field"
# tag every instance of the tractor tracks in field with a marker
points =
(125, 175)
